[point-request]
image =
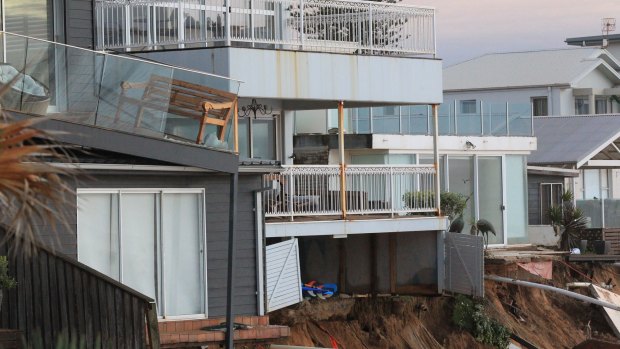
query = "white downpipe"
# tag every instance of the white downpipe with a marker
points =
(553, 289)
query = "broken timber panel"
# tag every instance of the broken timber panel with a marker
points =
(612, 316)
(464, 264)
(283, 275)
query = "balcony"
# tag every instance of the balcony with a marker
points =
(118, 93)
(370, 189)
(355, 27)
(479, 119)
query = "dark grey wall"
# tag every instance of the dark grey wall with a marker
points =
(79, 22)
(416, 260)
(217, 204)
(533, 194)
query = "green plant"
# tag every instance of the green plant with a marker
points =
(567, 221)
(469, 315)
(6, 281)
(452, 204)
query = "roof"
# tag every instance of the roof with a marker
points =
(575, 139)
(535, 68)
(595, 40)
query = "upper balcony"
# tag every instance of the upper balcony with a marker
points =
(291, 54)
(360, 27)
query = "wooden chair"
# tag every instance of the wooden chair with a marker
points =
(204, 104)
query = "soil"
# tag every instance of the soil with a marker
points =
(544, 319)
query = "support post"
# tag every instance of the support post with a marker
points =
(236, 126)
(343, 183)
(227, 15)
(436, 158)
(232, 218)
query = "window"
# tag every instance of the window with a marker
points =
(258, 138)
(582, 105)
(151, 240)
(600, 106)
(540, 106)
(550, 195)
(468, 106)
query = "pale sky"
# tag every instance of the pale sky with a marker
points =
(470, 28)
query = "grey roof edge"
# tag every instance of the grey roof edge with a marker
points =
(514, 52)
(506, 87)
(137, 145)
(593, 40)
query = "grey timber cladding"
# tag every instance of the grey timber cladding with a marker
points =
(465, 264)
(533, 195)
(79, 22)
(217, 201)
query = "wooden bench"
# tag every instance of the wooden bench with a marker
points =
(201, 103)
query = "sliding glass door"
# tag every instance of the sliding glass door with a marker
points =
(490, 197)
(151, 240)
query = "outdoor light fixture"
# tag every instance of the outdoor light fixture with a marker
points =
(470, 145)
(254, 107)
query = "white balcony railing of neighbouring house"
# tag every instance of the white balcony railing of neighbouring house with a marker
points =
(315, 190)
(344, 26)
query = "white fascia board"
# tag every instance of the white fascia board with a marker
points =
(553, 171)
(599, 62)
(602, 163)
(354, 227)
(597, 150)
(456, 144)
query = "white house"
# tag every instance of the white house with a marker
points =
(570, 81)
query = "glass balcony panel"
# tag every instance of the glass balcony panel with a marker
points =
(386, 120)
(494, 117)
(445, 120)
(361, 120)
(520, 119)
(116, 92)
(415, 119)
(469, 119)
(592, 209)
(612, 213)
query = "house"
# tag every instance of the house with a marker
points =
(583, 161)
(572, 81)
(171, 136)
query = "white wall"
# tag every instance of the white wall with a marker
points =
(595, 79)
(542, 235)
(311, 121)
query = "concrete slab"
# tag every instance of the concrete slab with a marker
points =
(612, 316)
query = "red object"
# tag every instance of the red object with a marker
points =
(334, 343)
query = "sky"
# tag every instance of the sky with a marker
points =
(470, 28)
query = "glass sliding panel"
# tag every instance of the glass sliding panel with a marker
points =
(545, 203)
(138, 243)
(592, 184)
(183, 253)
(461, 180)
(244, 138)
(264, 137)
(97, 232)
(490, 197)
(516, 198)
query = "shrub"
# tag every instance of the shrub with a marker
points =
(469, 315)
(6, 281)
(452, 204)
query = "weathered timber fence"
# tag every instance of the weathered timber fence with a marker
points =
(58, 298)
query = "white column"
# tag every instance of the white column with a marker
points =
(287, 120)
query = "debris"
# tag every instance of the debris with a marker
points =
(612, 316)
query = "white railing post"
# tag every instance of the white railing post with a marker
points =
(302, 28)
(127, 29)
(391, 180)
(252, 21)
(290, 195)
(181, 24)
(227, 18)
(371, 28)
(507, 121)
(436, 160)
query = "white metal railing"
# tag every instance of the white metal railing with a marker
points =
(313, 190)
(361, 27)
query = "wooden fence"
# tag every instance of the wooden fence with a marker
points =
(60, 299)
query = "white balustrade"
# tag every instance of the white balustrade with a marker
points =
(360, 27)
(311, 190)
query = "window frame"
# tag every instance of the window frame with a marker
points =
(598, 99)
(543, 111)
(585, 103)
(160, 277)
(466, 104)
(543, 219)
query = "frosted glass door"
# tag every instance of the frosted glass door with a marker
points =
(490, 198)
(138, 222)
(183, 254)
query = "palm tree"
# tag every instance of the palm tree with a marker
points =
(567, 220)
(32, 190)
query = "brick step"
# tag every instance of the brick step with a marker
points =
(166, 326)
(199, 337)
